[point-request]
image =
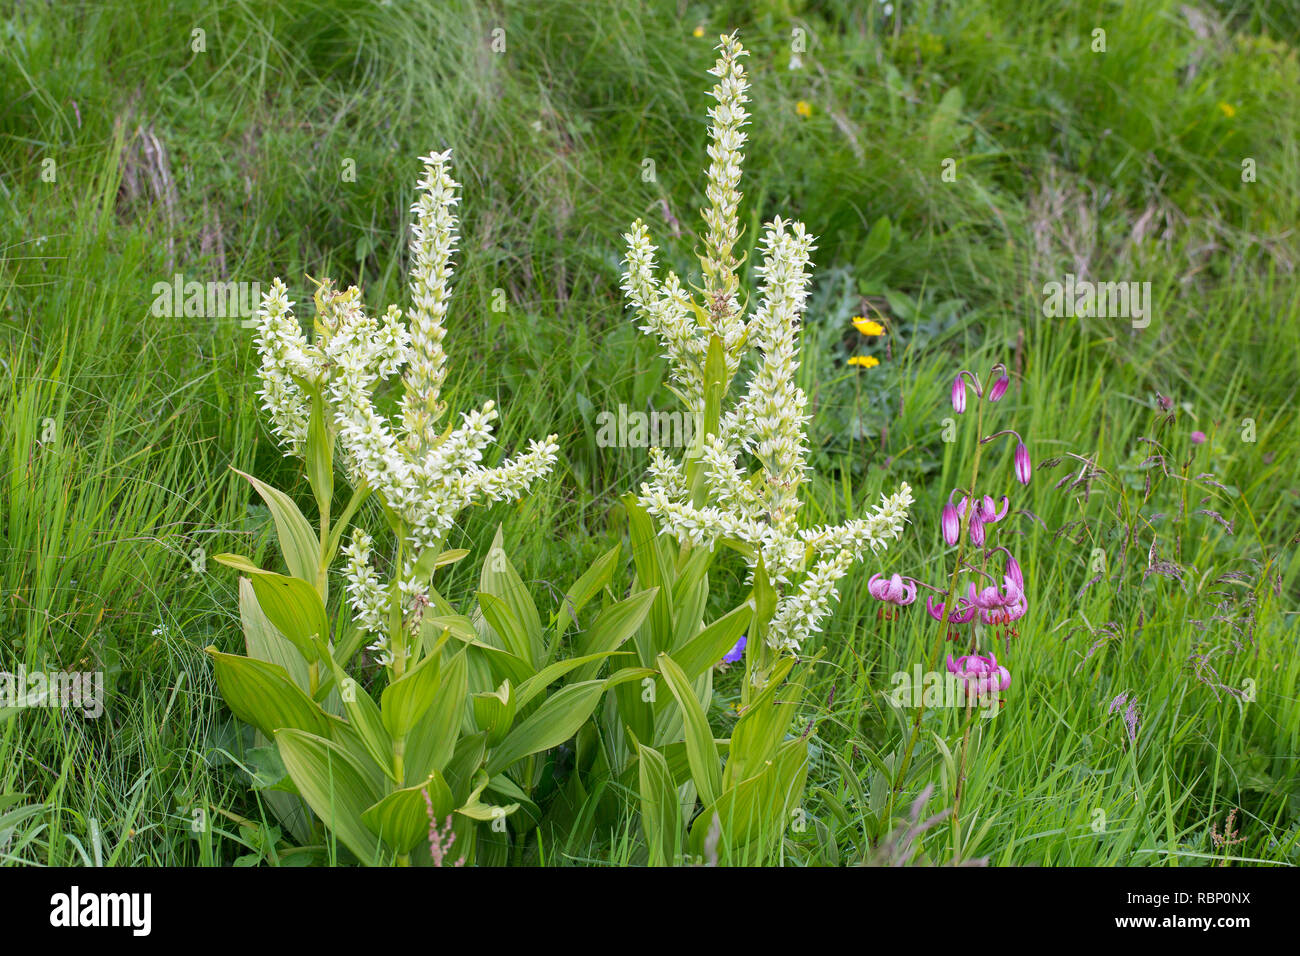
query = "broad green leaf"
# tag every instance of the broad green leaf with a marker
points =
(333, 786)
(661, 809)
(494, 712)
(690, 597)
(551, 724)
(457, 625)
(709, 646)
(367, 720)
(292, 605)
(264, 642)
(506, 625)
(591, 583)
(264, 695)
(476, 809)
(500, 579)
(758, 808)
(553, 672)
(463, 768)
(298, 542)
(763, 725)
(432, 741)
(614, 625)
(319, 457)
(505, 787)
(652, 571)
(406, 700)
(401, 819)
(700, 749)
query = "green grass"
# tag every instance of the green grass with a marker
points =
(118, 429)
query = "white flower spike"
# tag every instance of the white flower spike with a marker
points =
(712, 495)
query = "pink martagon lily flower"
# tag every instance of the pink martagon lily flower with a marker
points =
(999, 388)
(961, 613)
(982, 675)
(892, 590)
(958, 394)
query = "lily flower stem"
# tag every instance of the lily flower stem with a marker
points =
(948, 606)
(961, 780)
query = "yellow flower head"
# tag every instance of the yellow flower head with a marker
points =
(1228, 110)
(699, 31)
(866, 361)
(867, 326)
(803, 108)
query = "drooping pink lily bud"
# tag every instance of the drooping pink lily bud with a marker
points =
(1014, 572)
(977, 528)
(999, 388)
(958, 395)
(1023, 467)
(951, 523)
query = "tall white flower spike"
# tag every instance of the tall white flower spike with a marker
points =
(424, 476)
(712, 495)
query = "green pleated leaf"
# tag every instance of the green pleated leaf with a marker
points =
(401, 819)
(292, 605)
(506, 625)
(700, 750)
(494, 712)
(500, 579)
(661, 807)
(431, 742)
(613, 626)
(333, 786)
(298, 542)
(264, 642)
(264, 695)
(591, 583)
(406, 700)
(366, 719)
(708, 647)
(551, 724)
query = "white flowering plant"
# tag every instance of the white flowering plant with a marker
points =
(457, 726)
(738, 485)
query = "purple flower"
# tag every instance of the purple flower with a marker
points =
(958, 394)
(1023, 468)
(893, 590)
(737, 652)
(999, 388)
(999, 607)
(962, 613)
(1198, 438)
(951, 523)
(1014, 573)
(977, 528)
(981, 675)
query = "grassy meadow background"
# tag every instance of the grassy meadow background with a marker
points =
(118, 428)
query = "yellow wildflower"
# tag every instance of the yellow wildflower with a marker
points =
(867, 326)
(803, 108)
(866, 361)
(699, 31)
(1228, 110)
